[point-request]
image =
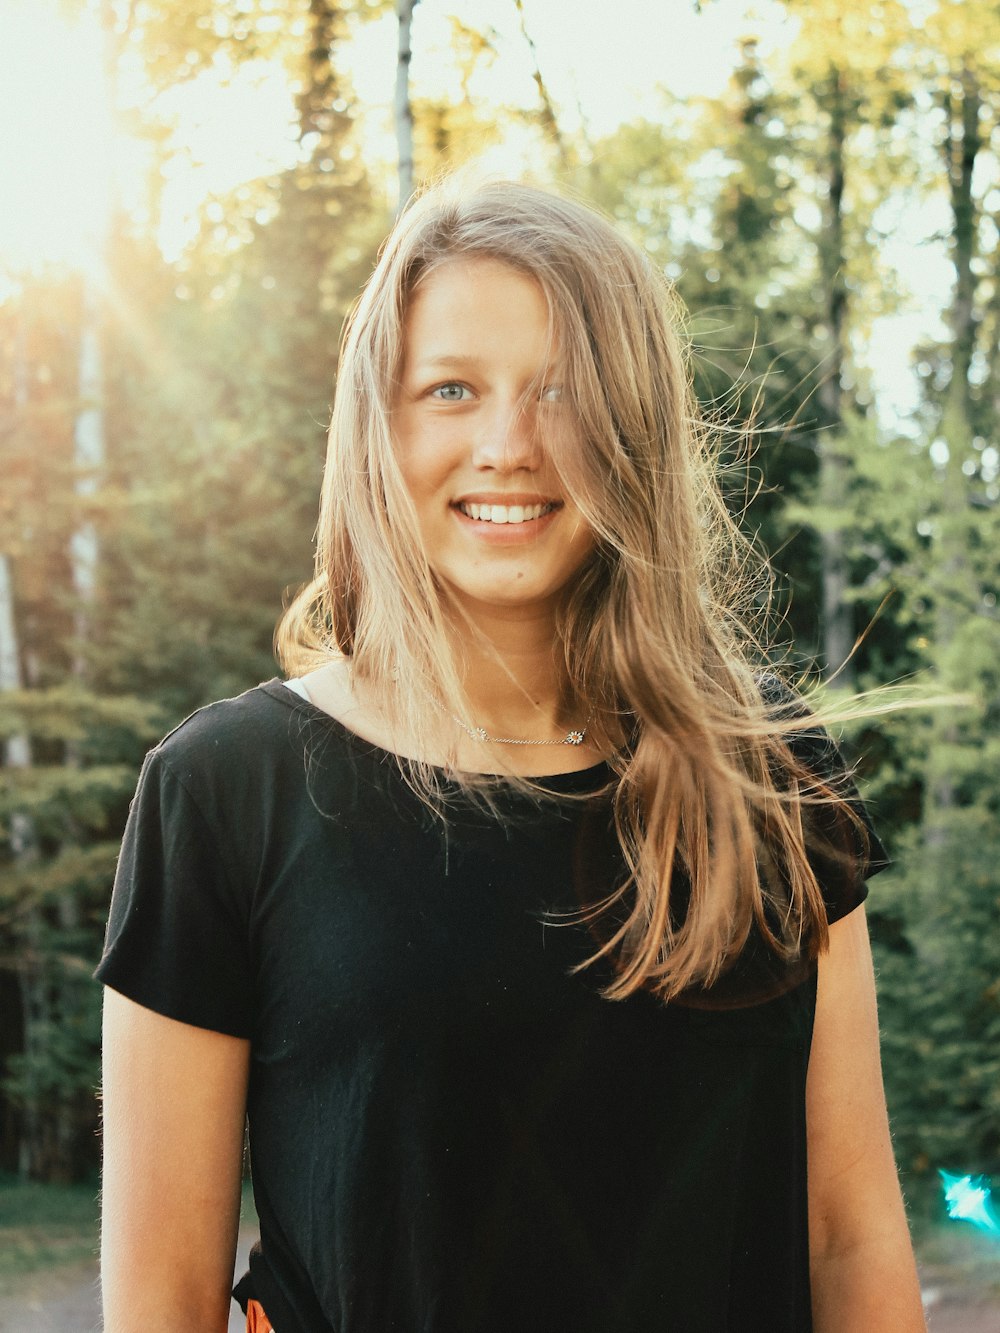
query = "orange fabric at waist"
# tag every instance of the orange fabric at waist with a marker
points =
(257, 1320)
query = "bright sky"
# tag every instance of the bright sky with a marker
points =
(602, 61)
(55, 142)
(606, 57)
(56, 154)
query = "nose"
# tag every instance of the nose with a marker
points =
(506, 438)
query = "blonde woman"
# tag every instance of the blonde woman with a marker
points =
(523, 922)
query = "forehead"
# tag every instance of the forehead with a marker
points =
(475, 299)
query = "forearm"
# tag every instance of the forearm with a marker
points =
(871, 1287)
(863, 1273)
(174, 1108)
(160, 1274)
(144, 1304)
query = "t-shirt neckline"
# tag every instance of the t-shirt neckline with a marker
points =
(575, 779)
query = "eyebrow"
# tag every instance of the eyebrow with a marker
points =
(462, 360)
(449, 359)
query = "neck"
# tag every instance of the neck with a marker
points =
(513, 677)
(514, 684)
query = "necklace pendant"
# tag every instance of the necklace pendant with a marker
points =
(479, 734)
(574, 738)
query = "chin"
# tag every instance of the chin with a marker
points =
(511, 596)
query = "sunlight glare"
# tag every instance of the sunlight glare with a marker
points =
(235, 125)
(55, 139)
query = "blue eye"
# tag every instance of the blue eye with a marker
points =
(450, 393)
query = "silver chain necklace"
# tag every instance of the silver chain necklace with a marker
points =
(575, 737)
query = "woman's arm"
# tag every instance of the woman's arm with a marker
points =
(863, 1272)
(174, 1110)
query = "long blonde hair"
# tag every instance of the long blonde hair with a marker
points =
(655, 630)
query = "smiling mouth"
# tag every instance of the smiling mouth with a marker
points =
(483, 513)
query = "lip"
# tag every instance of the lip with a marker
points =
(507, 498)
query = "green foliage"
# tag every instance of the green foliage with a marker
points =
(218, 381)
(70, 713)
(60, 818)
(61, 1067)
(940, 999)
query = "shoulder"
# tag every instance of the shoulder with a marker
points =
(226, 731)
(843, 846)
(237, 751)
(780, 699)
(811, 745)
(262, 757)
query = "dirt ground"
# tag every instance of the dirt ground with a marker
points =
(950, 1312)
(66, 1301)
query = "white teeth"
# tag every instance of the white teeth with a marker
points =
(505, 513)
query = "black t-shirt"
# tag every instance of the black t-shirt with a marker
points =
(450, 1131)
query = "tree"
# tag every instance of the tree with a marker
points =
(548, 119)
(70, 756)
(402, 108)
(208, 383)
(949, 1097)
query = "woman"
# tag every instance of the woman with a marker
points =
(524, 922)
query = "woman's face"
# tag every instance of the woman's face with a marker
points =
(477, 400)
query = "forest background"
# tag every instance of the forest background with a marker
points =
(830, 214)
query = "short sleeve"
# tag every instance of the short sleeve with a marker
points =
(844, 851)
(177, 938)
(843, 846)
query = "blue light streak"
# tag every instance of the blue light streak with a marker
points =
(967, 1199)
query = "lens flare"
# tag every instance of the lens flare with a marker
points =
(967, 1199)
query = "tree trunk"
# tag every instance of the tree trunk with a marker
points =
(550, 122)
(17, 750)
(837, 626)
(403, 109)
(956, 593)
(89, 456)
(319, 91)
(17, 755)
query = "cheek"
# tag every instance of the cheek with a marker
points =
(426, 484)
(583, 547)
(583, 534)
(413, 465)
(424, 458)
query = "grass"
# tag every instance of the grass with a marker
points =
(44, 1226)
